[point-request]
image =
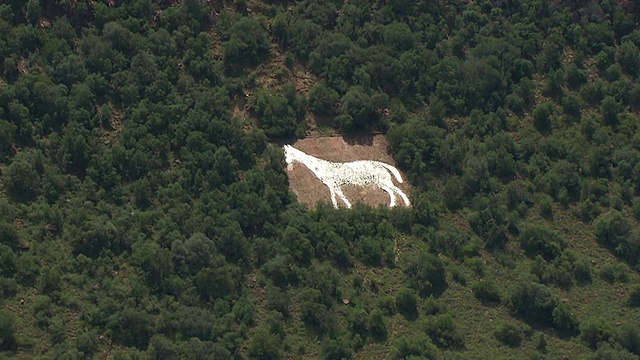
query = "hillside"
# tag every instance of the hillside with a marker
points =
(145, 210)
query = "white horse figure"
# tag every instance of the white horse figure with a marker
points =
(361, 173)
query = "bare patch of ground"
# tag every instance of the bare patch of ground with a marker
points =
(22, 66)
(109, 134)
(310, 190)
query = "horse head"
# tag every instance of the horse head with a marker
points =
(288, 155)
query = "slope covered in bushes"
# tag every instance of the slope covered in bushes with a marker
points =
(145, 213)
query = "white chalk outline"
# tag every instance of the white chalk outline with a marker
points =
(360, 173)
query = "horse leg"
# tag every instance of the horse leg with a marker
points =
(333, 196)
(392, 196)
(338, 191)
(402, 195)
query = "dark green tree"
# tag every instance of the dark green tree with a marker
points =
(417, 346)
(509, 335)
(337, 348)
(533, 301)
(7, 331)
(406, 303)
(357, 112)
(8, 235)
(23, 175)
(537, 239)
(487, 291)
(542, 117)
(612, 228)
(610, 109)
(245, 43)
(634, 296)
(264, 345)
(426, 274)
(378, 325)
(564, 319)
(323, 100)
(444, 333)
(628, 52)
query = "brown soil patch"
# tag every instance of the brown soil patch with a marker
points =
(22, 66)
(310, 190)
(109, 135)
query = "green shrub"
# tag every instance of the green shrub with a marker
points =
(57, 330)
(615, 272)
(622, 272)
(490, 224)
(416, 346)
(634, 296)
(42, 309)
(635, 207)
(357, 321)
(387, 303)
(588, 210)
(458, 276)
(560, 273)
(8, 287)
(426, 274)
(314, 311)
(264, 345)
(571, 106)
(613, 229)
(432, 306)
(476, 265)
(378, 325)
(533, 301)
(612, 352)
(582, 271)
(593, 333)
(336, 349)
(540, 268)
(509, 335)
(244, 311)
(8, 235)
(487, 291)
(542, 343)
(455, 243)
(537, 239)
(7, 331)
(357, 282)
(444, 333)
(7, 261)
(628, 336)
(406, 303)
(608, 273)
(276, 323)
(86, 343)
(542, 117)
(277, 299)
(247, 43)
(323, 100)
(564, 319)
(545, 206)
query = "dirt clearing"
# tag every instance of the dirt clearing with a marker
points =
(310, 190)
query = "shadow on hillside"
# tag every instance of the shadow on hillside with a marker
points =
(358, 139)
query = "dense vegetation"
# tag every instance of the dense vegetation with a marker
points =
(145, 213)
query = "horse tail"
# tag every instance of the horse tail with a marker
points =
(394, 171)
